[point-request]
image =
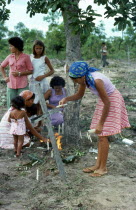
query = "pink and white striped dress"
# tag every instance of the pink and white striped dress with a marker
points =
(117, 118)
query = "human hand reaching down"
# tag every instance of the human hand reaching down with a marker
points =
(63, 101)
(98, 128)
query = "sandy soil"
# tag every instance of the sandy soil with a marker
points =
(19, 189)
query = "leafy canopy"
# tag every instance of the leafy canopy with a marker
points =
(123, 11)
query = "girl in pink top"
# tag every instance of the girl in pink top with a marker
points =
(20, 66)
(110, 115)
(19, 121)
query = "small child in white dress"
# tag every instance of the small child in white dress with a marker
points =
(40, 63)
(18, 126)
(19, 122)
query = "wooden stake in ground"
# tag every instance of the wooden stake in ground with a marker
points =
(47, 120)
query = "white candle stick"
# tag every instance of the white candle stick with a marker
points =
(37, 174)
(48, 147)
(35, 163)
(80, 135)
(59, 106)
(91, 131)
(52, 153)
(59, 129)
(89, 136)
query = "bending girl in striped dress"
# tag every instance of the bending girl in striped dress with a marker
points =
(110, 115)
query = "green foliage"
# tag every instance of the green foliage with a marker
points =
(123, 11)
(52, 18)
(131, 108)
(27, 35)
(4, 13)
(56, 42)
(3, 31)
(82, 21)
(91, 45)
(22, 31)
(3, 42)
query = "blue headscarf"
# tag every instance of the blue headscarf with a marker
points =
(79, 69)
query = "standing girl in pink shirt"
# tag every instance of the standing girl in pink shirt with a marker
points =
(19, 67)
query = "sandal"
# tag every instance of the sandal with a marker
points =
(88, 170)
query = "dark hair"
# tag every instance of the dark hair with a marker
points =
(32, 110)
(33, 96)
(103, 43)
(18, 102)
(40, 43)
(17, 43)
(57, 81)
(74, 77)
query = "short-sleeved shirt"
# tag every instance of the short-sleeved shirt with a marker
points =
(23, 63)
(104, 50)
(109, 87)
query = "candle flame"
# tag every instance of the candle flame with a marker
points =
(58, 139)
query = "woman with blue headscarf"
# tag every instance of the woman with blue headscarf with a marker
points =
(110, 115)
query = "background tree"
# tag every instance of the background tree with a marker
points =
(123, 11)
(91, 46)
(55, 41)
(3, 42)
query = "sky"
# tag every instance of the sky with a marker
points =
(18, 14)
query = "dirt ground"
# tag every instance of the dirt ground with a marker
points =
(19, 189)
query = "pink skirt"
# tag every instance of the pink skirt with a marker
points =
(117, 118)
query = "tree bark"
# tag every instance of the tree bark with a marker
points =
(73, 52)
(71, 114)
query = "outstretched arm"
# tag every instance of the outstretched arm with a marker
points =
(31, 128)
(78, 95)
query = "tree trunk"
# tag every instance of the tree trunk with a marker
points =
(71, 115)
(71, 125)
(73, 52)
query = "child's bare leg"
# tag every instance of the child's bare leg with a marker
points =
(97, 164)
(20, 144)
(104, 148)
(15, 142)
